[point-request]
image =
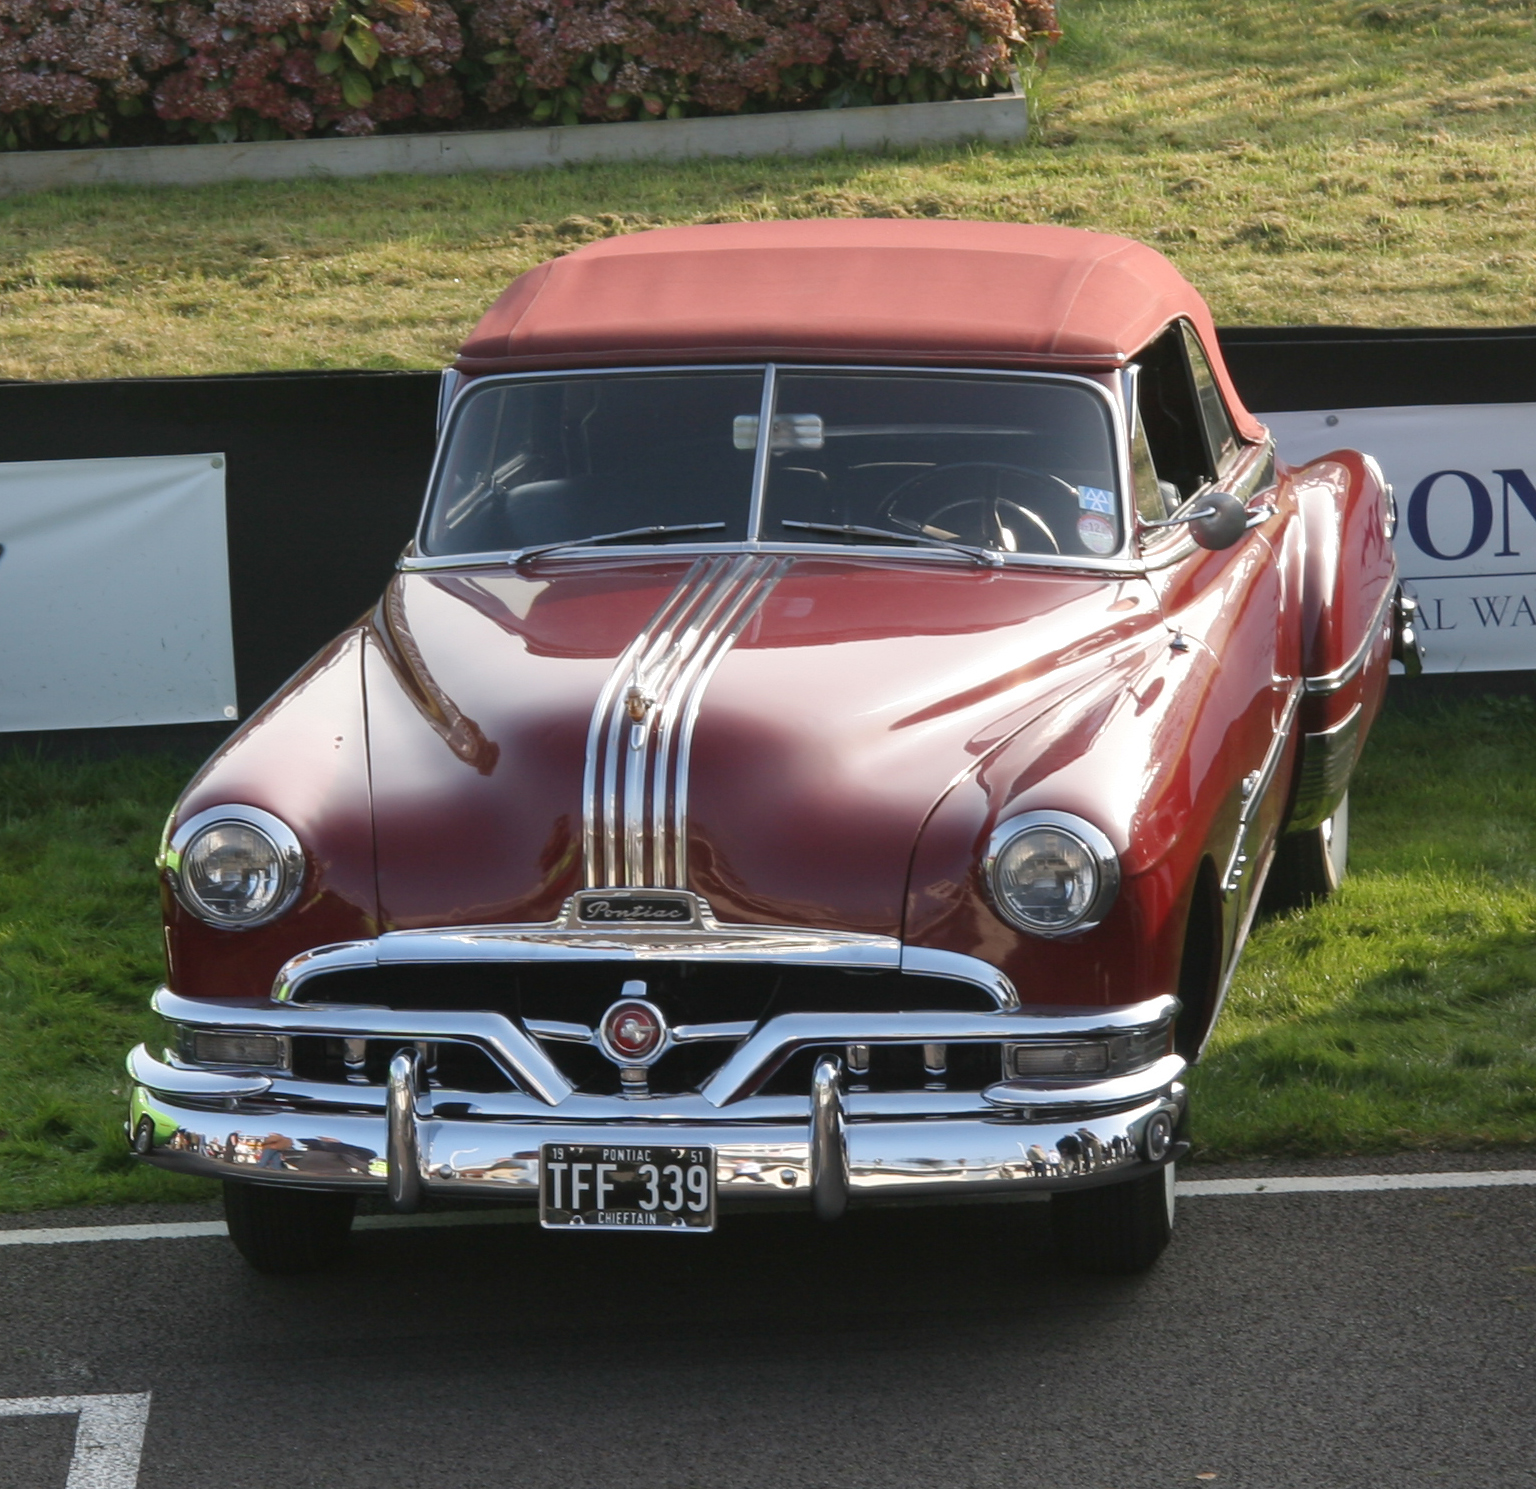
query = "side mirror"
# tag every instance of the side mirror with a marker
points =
(1219, 521)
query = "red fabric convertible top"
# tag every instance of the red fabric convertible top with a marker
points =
(861, 290)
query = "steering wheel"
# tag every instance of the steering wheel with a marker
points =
(990, 506)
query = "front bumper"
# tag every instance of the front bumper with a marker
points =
(831, 1148)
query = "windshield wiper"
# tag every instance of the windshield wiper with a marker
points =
(927, 540)
(663, 530)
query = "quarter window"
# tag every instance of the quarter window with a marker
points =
(1219, 432)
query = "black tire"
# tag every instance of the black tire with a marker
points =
(1309, 865)
(287, 1231)
(1116, 1230)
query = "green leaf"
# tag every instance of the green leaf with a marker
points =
(601, 70)
(618, 100)
(497, 57)
(363, 45)
(356, 89)
(328, 62)
(418, 77)
(543, 108)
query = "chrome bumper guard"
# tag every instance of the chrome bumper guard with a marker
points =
(833, 1147)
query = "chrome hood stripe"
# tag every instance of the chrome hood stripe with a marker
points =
(640, 738)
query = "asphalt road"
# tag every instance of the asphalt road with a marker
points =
(1321, 1341)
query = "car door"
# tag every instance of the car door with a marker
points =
(1230, 611)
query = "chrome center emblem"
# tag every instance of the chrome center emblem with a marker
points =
(632, 1032)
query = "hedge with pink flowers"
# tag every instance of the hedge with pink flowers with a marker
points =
(80, 72)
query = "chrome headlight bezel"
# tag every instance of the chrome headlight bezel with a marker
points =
(286, 849)
(1096, 845)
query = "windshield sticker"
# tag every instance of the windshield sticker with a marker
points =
(1095, 499)
(1095, 534)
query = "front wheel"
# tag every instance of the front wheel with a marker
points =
(1310, 865)
(1117, 1229)
(287, 1231)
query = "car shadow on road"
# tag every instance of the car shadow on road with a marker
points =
(895, 1272)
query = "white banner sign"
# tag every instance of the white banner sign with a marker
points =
(1465, 480)
(114, 593)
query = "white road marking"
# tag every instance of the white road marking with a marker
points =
(1356, 1183)
(109, 1437)
(1187, 1189)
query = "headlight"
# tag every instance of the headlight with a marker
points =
(1051, 873)
(235, 866)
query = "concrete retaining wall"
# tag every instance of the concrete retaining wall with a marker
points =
(1000, 120)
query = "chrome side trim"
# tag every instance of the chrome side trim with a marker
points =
(344, 956)
(925, 961)
(1043, 1096)
(1255, 789)
(829, 1142)
(1327, 761)
(1331, 682)
(404, 1147)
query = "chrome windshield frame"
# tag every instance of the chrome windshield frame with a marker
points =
(1125, 560)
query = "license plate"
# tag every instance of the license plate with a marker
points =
(586, 1186)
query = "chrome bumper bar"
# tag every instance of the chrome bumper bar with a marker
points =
(826, 1155)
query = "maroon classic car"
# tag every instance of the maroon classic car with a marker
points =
(824, 746)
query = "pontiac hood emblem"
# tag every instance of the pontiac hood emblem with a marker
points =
(633, 909)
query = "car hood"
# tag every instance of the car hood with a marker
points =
(769, 732)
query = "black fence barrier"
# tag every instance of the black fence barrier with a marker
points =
(326, 470)
(324, 476)
(1279, 368)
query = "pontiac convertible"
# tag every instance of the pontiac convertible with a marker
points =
(824, 747)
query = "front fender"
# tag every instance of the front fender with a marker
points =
(303, 757)
(1136, 754)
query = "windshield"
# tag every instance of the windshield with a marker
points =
(1012, 465)
(1008, 464)
(533, 462)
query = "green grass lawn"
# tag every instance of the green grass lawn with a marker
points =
(1400, 1015)
(1301, 160)
(79, 955)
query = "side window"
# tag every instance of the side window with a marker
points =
(1170, 415)
(1151, 494)
(1218, 423)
